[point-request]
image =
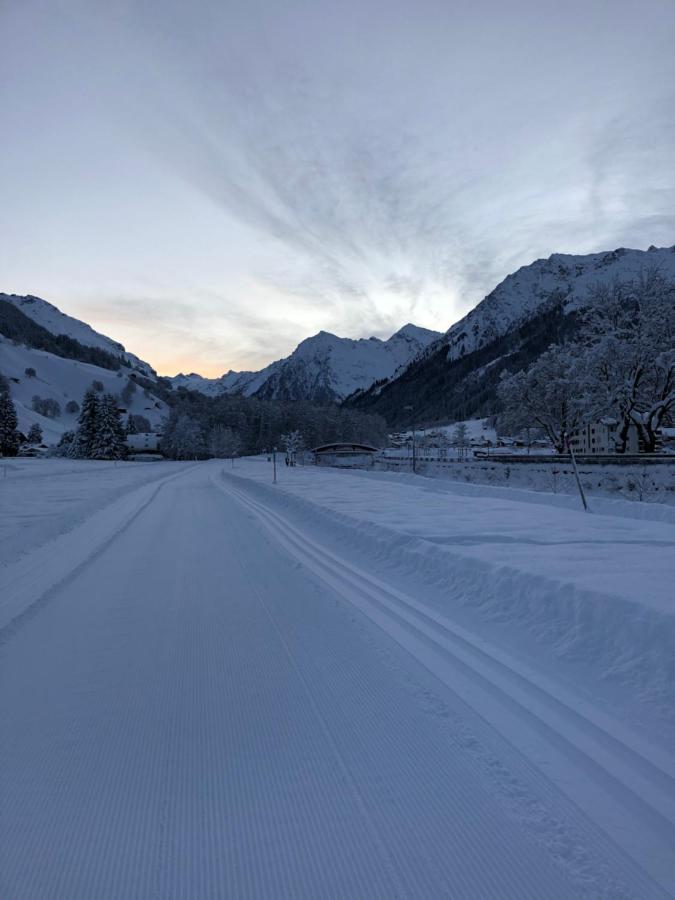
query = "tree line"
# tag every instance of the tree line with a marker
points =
(223, 426)
(197, 427)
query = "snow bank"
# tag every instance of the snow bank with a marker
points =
(594, 590)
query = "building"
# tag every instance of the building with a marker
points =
(600, 438)
(144, 441)
(355, 456)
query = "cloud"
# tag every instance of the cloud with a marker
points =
(376, 163)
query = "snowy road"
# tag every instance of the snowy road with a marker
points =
(214, 703)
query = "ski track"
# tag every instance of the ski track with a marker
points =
(195, 713)
(609, 773)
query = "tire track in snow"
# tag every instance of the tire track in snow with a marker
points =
(624, 786)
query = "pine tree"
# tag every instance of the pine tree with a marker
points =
(35, 434)
(82, 447)
(9, 436)
(109, 442)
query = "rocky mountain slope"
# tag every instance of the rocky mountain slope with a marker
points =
(457, 375)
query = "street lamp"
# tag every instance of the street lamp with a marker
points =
(414, 467)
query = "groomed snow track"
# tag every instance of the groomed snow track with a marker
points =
(199, 699)
(623, 785)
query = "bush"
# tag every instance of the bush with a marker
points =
(128, 392)
(138, 424)
(45, 406)
(72, 406)
(30, 372)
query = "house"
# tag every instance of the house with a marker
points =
(345, 455)
(144, 441)
(600, 438)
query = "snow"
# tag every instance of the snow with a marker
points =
(343, 685)
(503, 531)
(230, 383)
(548, 566)
(41, 499)
(477, 431)
(57, 322)
(650, 488)
(522, 293)
(63, 380)
(336, 366)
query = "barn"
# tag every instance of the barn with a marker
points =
(345, 455)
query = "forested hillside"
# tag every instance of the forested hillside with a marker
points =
(19, 327)
(435, 389)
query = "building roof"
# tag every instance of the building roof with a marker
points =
(345, 448)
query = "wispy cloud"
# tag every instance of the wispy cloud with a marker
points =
(380, 163)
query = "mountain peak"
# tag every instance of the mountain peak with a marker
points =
(323, 368)
(416, 332)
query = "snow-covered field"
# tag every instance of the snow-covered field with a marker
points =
(42, 498)
(346, 684)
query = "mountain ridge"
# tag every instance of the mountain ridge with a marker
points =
(323, 367)
(456, 376)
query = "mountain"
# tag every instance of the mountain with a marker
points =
(322, 369)
(49, 355)
(230, 383)
(58, 323)
(457, 375)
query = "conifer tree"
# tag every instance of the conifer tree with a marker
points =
(9, 436)
(35, 434)
(109, 442)
(82, 447)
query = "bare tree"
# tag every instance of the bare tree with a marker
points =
(460, 438)
(292, 444)
(223, 442)
(628, 335)
(549, 395)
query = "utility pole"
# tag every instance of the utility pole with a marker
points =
(576, 473)
(274, 465)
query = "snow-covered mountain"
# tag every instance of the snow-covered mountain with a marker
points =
(56, 322)
(561, 276)
(230, 383)
(46, 354)
(64, 380)
(323, 368)
(456, 375)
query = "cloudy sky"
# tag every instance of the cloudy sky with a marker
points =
(210, 181)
